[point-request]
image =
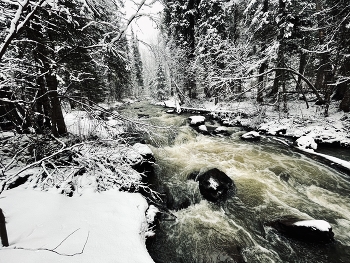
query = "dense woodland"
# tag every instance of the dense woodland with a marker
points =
(286, 47)
(58, 54)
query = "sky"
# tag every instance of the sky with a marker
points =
(144, 27)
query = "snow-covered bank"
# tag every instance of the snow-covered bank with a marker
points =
(96, 227)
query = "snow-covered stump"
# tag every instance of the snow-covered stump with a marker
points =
(3, 232)
(214, 185)
(311, 231)
(252, 136)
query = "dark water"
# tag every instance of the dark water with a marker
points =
(272, 182)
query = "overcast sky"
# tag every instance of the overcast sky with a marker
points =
(144, 27)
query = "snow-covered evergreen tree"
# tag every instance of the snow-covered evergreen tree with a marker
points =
(137, 68)
(160, 83)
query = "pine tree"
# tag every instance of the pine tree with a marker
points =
(160, 83)
(137, 67)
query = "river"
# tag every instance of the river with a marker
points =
(272, 181)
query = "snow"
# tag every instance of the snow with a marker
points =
(142, 149)
(306, 142)
(316, 224)
(213, 183)
(203, 128)
(82, 124)
(333, 159)
(251, 135)
(136, 153)
(194, 120)
(105, 227)
(221, 129)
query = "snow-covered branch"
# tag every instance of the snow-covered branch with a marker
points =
(17, 25)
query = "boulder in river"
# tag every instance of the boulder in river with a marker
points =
(221, 130)
(197, 120)
(214, 185)
(202, 129)
(311, 231)
(252, 135)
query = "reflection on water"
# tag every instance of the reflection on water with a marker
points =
(272, 181)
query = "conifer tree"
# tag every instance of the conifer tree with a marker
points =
(137, 67)
(160, 83)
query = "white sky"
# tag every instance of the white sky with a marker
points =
(144, 27)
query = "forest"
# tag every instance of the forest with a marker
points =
(96, 167)
(57, 54)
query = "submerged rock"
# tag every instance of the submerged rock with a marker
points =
(253, 136)
(312, 231)
(214, 185)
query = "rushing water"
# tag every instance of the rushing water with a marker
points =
(272, 181)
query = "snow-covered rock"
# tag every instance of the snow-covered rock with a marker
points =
(252, 135)
(306, 142)
(203, 129)
(214, 185)
(141, 159)
(313, 231)
(196, 120)
(221, 130)
(320, 225)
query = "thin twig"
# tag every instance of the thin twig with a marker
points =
(58, 253)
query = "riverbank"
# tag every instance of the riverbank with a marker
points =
(303, 126)
(75, 198)
(295, 123)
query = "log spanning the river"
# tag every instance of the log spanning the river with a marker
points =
(202, 111)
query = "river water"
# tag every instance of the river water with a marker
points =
(272, 181)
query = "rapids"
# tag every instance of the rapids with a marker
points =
(272, 181)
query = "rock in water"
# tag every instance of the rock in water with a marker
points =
(197, 120)
(141, 158)
(253, 136)
(214, 185)
(311, 231)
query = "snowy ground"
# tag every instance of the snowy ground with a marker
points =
(91, 226)
(95, 227)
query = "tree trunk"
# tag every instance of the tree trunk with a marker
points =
(3, 232)
(324, 74)
(302, 65)
(345, 103)
(280, 76)
(58, 126)
(261, 86)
